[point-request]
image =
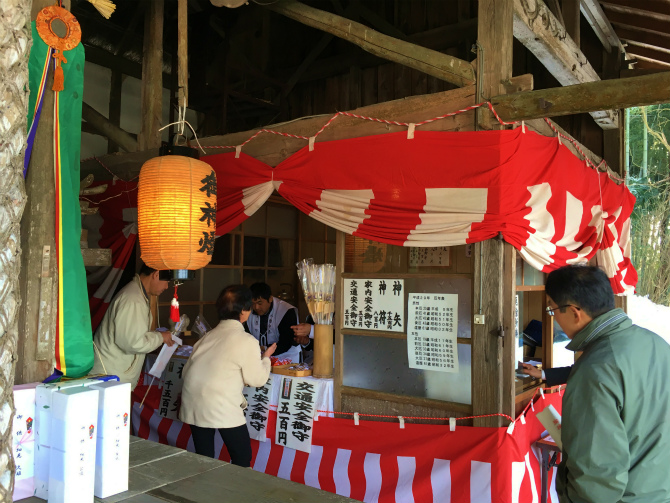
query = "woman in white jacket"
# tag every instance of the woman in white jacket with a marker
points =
(222, 362)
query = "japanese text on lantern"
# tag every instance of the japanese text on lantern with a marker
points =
(432, 331)
(295, 413)
(374, 304)
(258, 407)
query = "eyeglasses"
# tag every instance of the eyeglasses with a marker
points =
(550, 310)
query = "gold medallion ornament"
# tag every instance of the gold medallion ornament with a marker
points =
(45, 28)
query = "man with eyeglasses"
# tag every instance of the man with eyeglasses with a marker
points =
(616, 407)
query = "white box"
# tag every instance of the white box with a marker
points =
(43, 409)
(113, 448)
(73, 442)
(23, 440)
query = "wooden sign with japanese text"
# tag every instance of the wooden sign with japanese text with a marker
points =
(432, 331)
(295, 413)
(258, 407)
(374, 304)
(437, 256)
(171, 393)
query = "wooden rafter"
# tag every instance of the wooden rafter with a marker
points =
(635, 16)
(601, 26)
(104, 127)
(539, 30)
(442, 66)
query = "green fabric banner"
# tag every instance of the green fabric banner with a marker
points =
(74, 339)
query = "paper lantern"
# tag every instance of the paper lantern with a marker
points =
(176, 206)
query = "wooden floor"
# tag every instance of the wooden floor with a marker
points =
(160, 473)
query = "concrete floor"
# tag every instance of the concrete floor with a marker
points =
(160, 473)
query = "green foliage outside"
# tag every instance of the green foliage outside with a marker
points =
(649, 180)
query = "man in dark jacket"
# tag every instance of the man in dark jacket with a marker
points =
(616, 407)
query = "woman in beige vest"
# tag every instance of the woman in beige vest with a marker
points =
(222, 362)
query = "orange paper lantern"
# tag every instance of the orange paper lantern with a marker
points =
(176, 205)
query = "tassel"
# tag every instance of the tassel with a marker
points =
(59, 79)
(105, 7)
(174, 307)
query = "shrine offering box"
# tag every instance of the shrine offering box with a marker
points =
(43, 436)
(23, 441)
(113, 439)
(74, 424)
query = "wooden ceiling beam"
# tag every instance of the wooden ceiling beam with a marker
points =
(442, 66)
(106, 59)
(651, 64)
(658, 6)
(539, 30)
(601, 26)
(583, 98)
(636, 17)
(650, 37)
(649, 51)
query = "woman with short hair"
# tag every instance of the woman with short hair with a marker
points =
(225, 360)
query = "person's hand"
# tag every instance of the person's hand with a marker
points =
(531, 370)
(302, 330)
(167, 338)
(302, 339)
(269, 351)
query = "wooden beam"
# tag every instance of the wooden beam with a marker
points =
(572, 18)
(107, 129)
(649, 51)
(583, 98)
(636, 17)
(492, 389)
(106, 59)
(645, 62)
(273, 149)
(537, 28)
(642, 35)
(152, 68)
(433, 63)
(601, 26)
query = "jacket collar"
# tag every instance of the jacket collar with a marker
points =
(599, 327)
(138, 280)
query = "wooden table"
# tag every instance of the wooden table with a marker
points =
(550, 452)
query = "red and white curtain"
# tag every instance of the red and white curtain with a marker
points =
(444, 189)
(378, 462)
(118, 232)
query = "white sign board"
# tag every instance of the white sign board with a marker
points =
(374, 304)
(295, 413)
(429, 257)
(432, 329)
(171, 390)
(258, 407)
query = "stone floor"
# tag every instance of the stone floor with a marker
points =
(160, 473)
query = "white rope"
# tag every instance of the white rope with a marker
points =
(181, 121)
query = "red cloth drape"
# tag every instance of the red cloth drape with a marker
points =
(447, 188)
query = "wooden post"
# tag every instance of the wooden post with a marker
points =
(495, 37)
(572, 16)
(152, 76)
(182, 53)
(116, 85)
(37, 231)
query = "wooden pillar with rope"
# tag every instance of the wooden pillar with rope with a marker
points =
(492, 388)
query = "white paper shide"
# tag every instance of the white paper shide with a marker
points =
(295, 413)
(432, 331)
(258, 408)
(374, 304)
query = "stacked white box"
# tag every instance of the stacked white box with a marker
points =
(112, 452)
(74, 423)
(43, 409)
(23, 440)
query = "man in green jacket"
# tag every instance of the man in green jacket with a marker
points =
(616, 407)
